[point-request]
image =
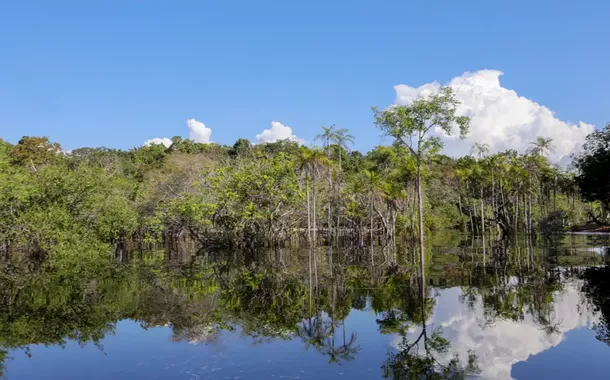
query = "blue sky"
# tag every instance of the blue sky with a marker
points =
(116, 73)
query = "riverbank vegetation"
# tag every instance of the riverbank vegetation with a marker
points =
(93, 199)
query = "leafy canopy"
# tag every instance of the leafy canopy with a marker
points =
(410, 125)
(593, 166)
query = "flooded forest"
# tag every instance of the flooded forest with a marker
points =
(280, 259)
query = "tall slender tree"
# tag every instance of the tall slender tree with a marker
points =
(328, 134)
(411, 126)
(481, 151)
(374, 186)
(343, 139)
(311, 164)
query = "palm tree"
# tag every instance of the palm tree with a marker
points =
(314, 331)
(343, 139)
(542, 146)
(479, 150)
(311, 163)
(344, 352)
(328, 134)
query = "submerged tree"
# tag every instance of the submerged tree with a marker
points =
(343, 139)
(412, 126)
(248, 194)
(312, 161)
(328, 134)
(480, 151)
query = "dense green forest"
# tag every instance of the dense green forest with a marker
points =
(93, 199)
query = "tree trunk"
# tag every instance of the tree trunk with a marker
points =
(461, 211)
(315, 241)
(412, 208)
(483, 225)
(371, 226)
(338, 208)
(472, 227)
(340, 154)
(308, 212)
(516, 213)
(531, 219)
(421, 222)
(394, 237)
(502, 197)
(337, 227)
(525, 212)
(330, 197)
(493, 193)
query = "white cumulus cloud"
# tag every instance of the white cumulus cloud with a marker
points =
(198, 131)
(278, 131)
(500, 117)
(158, 141)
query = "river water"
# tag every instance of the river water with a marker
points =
(526, 309)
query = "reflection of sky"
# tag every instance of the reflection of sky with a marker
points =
(505, 342)
(136, 353)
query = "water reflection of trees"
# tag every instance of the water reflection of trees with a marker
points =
(416, 354)
(196, 299)
(272, 296)
(320, 333)
(515, 280)
(508, 284)
(597, 290)
(417, 359)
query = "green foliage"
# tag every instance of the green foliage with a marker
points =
(289, 147)
(597, 283)
(258, 193)
(240, 148)
(35, 151)
(5, 154)
(555, 222)
(409, 125)
(57, 205)
(593, 163)
(252, 195)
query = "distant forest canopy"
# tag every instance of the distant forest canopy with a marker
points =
(95, 198)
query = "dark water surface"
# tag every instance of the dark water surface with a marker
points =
(525, 310)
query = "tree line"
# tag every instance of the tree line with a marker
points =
(93, 199)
